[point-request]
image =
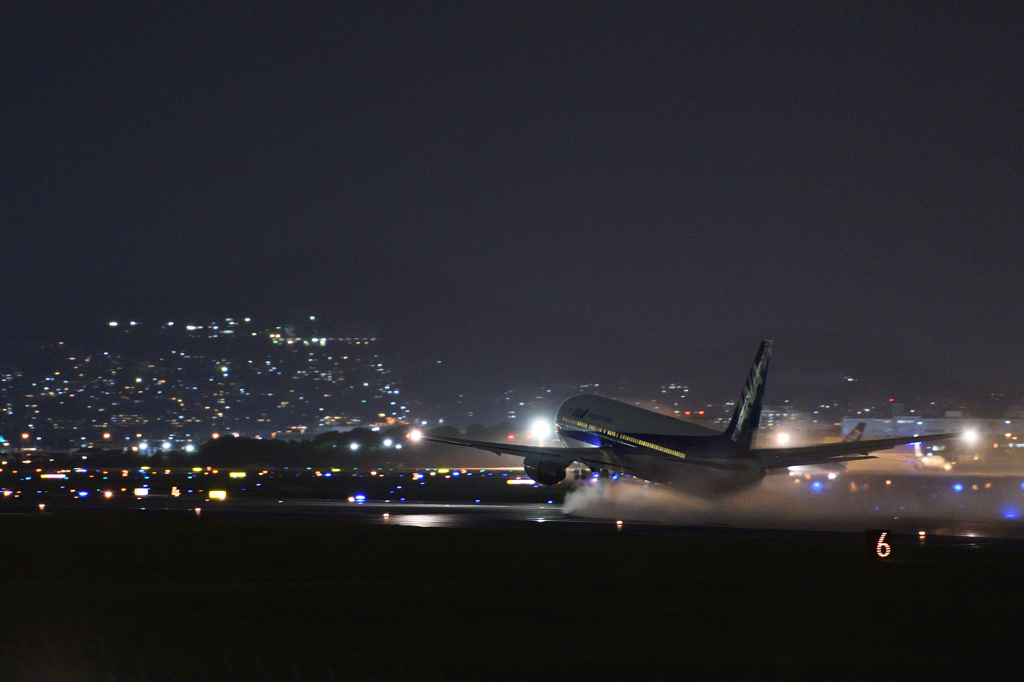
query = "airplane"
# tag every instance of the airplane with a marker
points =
(612, 437)
(832, 469)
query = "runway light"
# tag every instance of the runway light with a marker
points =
(108, 494)
(415, 435)
(832, 476)
(970, 436)
(387, 442)
(218, 494)
(353, 446)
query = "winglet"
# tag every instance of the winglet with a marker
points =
(748, 410)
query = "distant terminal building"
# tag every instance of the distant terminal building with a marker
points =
(990, 432)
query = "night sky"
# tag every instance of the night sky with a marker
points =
(675, 173)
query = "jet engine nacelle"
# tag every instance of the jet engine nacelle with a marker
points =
(543, 471)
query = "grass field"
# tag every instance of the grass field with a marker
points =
(187, 598)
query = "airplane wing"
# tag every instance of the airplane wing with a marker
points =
(595, 458)
(551, 454)
(773, 458)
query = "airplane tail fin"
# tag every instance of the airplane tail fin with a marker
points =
(748, 410)
(855, 433)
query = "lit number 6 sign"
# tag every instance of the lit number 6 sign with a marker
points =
(877, 544)
(882, 548)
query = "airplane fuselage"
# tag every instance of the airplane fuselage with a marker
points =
(654, 447)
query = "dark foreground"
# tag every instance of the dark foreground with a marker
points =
(179, 597)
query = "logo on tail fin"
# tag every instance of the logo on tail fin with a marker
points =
(748, 411)
(855, 433)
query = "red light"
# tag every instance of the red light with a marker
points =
(511, 437)
(892, 400)
(701, 412)
(687, 413)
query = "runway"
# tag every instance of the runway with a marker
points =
(542, 518)
(970, 509)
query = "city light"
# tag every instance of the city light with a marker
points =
(970, 436)
(783, 438)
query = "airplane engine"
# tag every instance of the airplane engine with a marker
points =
(545, 473)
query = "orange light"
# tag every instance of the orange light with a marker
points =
(106, 436)
(511, 437)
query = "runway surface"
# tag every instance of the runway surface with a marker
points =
(546, 517)
(973, 509)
